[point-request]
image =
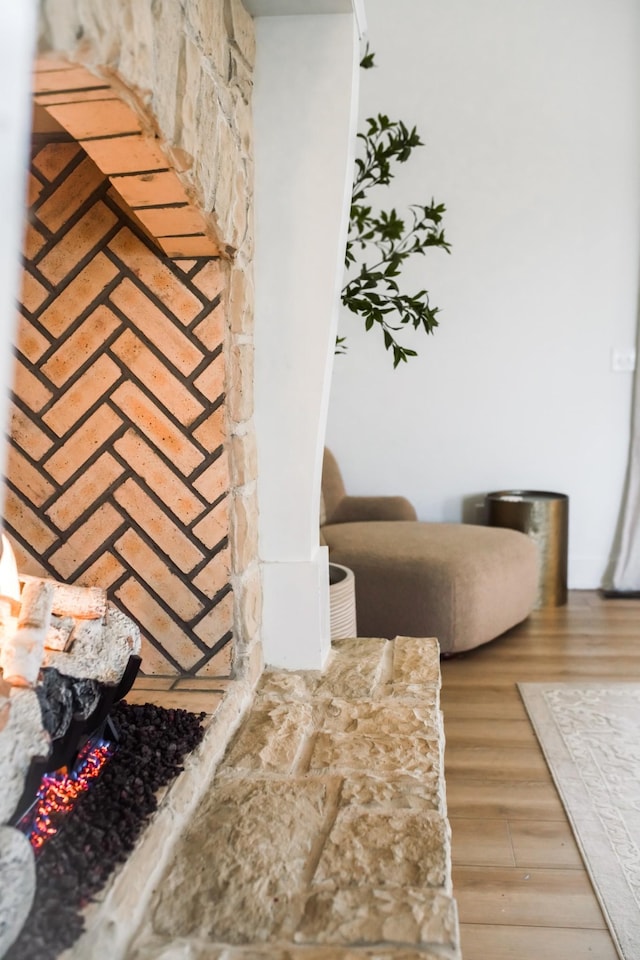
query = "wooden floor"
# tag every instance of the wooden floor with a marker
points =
(522, 890)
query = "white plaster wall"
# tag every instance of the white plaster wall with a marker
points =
(17, 41)
(531, 117)
(305, 81)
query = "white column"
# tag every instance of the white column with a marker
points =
(306, 81)
(17, 41)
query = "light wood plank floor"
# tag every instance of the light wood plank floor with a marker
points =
(522, 890)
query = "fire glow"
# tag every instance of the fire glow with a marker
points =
(60, 791)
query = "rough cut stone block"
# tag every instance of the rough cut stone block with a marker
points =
(160, 949)
(235, 870)
(416, 662)
(367, 915)
(271, 739)
(288, 685)
(370, 717)
(354, 669)
(404, 848)
(391, 795)
(379, 757)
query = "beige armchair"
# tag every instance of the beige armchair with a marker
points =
(464, 584)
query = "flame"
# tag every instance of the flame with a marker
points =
(59, 792)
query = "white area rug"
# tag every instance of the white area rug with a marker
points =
(590, 736)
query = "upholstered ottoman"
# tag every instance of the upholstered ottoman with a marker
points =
(461, 583)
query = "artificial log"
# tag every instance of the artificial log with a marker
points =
(22, 652)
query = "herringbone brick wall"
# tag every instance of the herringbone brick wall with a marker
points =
(117, 471)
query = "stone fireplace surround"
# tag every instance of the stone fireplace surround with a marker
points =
(211, 51)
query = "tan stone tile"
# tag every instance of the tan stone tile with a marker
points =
(398, 849)
(354, 669)
(27, 434)
(128, 154)
(370, 915)
(77, 348)
(180, 352)
(270, 739)
(288, 685)
(32, 296)
(87, 489)
(214, 481)
(156, 524)
(29, 480)
(29, 389)
(169, 289)
(152, 371)
(172, 490)
(77, 296)
(58, 208)
(217, 622)
(86, 540)
(84, 120)
(211, 381)
(215, 526)
(365, 793)
(93, 433)
(416, 662)
(249, 841)
(380, 756)
(215, 575)
(163, 434)
(77, 242)
(368, 717)
(153, 572)
(83, 393)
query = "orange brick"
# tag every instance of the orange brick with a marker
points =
(215, 526)
(103, 573)
(47, 100)
(29, 389)
(34, 189)
(33, 242)
(217, 622)
(220, 665)
(77, 242)
(32, 293)
(27, 478)
(214, 481)
(156, 326)
(189, 246)
(171, 489)
(212, 278)
(27, 563)
(211, 330)
(87, 489)
(156, 524)
(138, 408)
(185, 265)
(50, 62)
(161, 627)
(215, 575)
(82, 344)
(211, 381)
(151, 371)
(76, 297)
(25, 432)
(74, 78)
(157, 577)
(171, 221)
(157, 276)
(52, 159)
(82, 443)
(84, 120)
(29, 341)
(75, 189)
(86, 540)
(150, 189)
(93, 384)
(212, 432)
(32, 529)
(131, 154)
(154, 663)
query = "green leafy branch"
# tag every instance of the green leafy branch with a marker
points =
(373, 293)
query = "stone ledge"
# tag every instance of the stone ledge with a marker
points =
(323, 833)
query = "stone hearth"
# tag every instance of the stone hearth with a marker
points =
(321, 834)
